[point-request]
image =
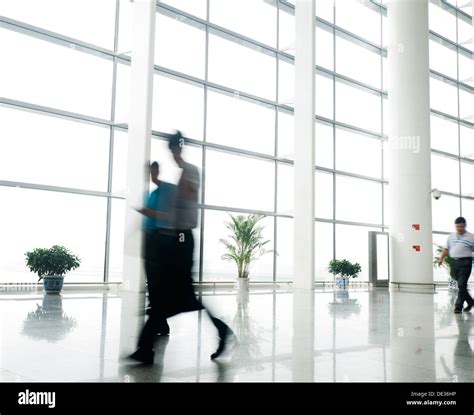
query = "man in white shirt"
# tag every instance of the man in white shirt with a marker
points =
(460, 246)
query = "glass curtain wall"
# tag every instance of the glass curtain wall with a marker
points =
(224, 76)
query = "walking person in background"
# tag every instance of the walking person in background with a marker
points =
(174, 292)
(460, 246)
(156, 226)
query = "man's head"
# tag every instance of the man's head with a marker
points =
(175, 144)
(154, 171)
(460, 224)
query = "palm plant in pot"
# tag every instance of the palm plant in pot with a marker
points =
(343, 270)
(245, 245)
(51, 264)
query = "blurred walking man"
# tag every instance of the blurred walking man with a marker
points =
(459, 247)
(174, 292)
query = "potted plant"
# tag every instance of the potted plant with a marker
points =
(343, 270)
(245, 245)
(452, 283)
(51, 264)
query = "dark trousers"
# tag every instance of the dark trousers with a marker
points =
(171, 290)
(461, 269)
(168, 264)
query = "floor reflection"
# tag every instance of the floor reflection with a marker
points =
(48, 321)
(356, 335)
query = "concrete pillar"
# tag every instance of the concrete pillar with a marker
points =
(139, 136)
(304, 167)
(409, 142)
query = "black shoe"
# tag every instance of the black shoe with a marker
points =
(225, 334)
(467, 308)
(145, 356)
(457, 311)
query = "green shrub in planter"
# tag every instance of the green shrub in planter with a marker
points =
(344, 268)
(51, 264)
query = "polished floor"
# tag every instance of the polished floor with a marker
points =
(354, 336)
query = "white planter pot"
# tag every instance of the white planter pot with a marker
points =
(342, 283)
(242, 284)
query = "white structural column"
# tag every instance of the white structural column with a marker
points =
(139, 136)
(409, 142)
(304, 167)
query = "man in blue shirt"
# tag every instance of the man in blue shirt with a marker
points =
(460, 246)
(155, 225)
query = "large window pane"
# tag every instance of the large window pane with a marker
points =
(178, 105)
(349, 144)
(468, 210)
(286, 135)
(325, 48)
(357, 107)
(214, 267)
(324, 250)
(256, 19)
(444, 135)
(466, 105)
(75, 221)
(232, 181)
(467, 176)
(324, 96)
(442, 22)
(91, 21)
(444, 173)
(47, 74)
(359, 19)
(117, 232)
(180, 44)
(241, 67)
(467, 142)
(350, 206)
(465, 34)
(119, 168)
(445, 211)
(443, 59)
(443, 97)
(324, 147)
(122, 91)
(285, 193)
(323, 195)
(466, 69)
(284, 248)
(38, 149)
(286, 32)
(286, 82)
(352, 243)
(236, 122)
(195, 7)
(358, 62)
(325, 10)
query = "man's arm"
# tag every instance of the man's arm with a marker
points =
(444, 254)
(151, 213)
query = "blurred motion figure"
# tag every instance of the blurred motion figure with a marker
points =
(173, 292)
